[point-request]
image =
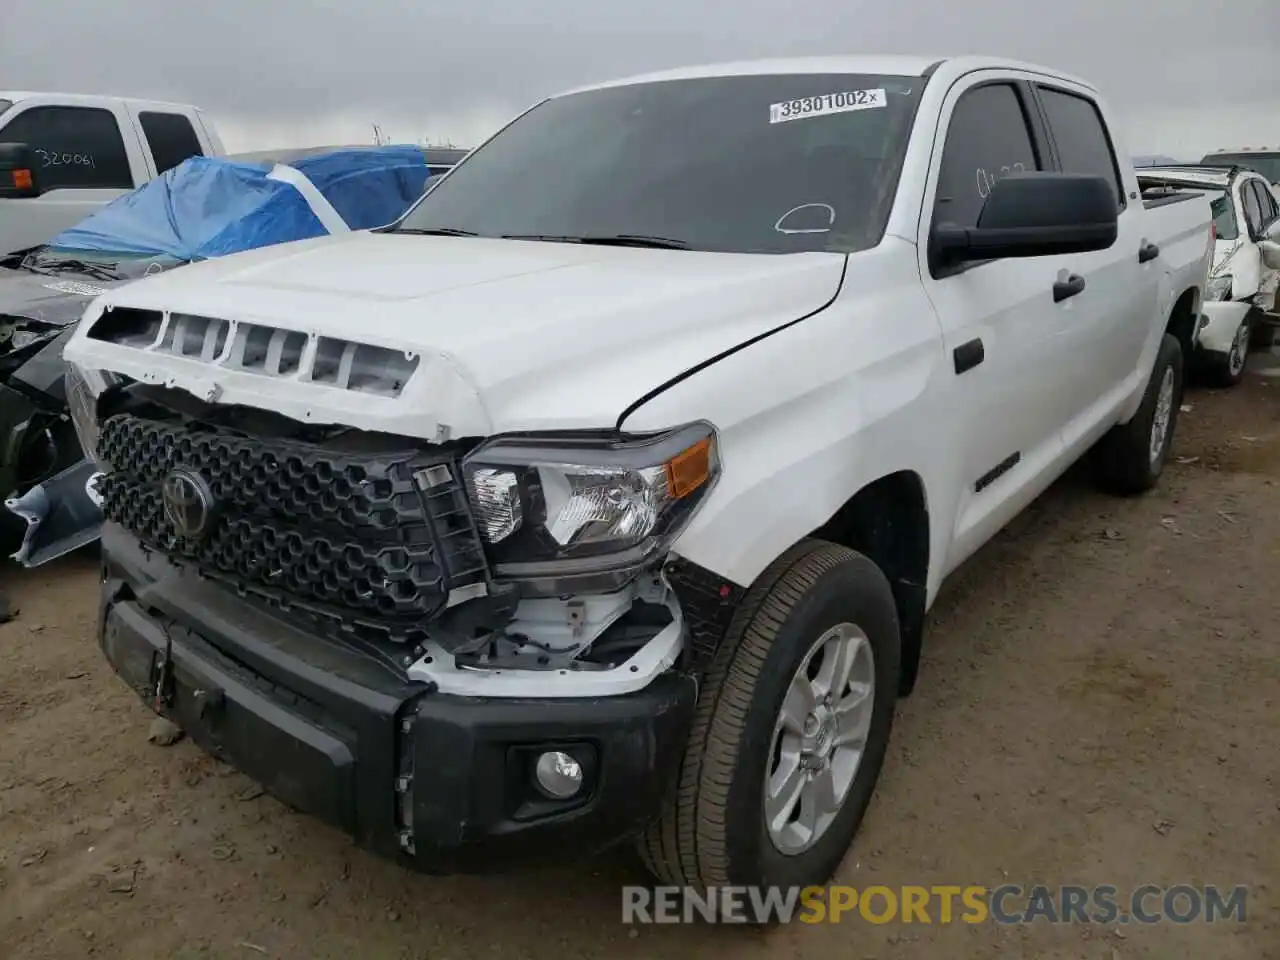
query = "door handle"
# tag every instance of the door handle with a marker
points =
(968, 355)
(1148, 252)
(1065, 289)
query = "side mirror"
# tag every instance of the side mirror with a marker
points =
(1270, 247)
(1033, 215)
(17, 172)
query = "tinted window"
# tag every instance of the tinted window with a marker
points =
(1252, 209)
(1081, 139)
(76, 146)
(170, 137)
(1266, 201)
(987, 139)
(748, 164)
(1224, 217)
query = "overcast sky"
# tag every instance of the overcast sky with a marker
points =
(1186, 75)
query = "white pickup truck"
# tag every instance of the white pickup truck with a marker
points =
(603, 496)
(62, 156)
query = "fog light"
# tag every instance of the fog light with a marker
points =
(559, 776)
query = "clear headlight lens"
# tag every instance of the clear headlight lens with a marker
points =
(583, 503)
(1219, 288)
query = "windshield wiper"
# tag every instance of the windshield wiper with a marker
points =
(610, 240)
(436, 232)
(637, 240)
(544, 237)
(99, 271)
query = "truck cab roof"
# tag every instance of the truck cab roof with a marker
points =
(888, 65)
(92, 99)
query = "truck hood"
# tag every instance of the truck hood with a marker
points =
(511, 335)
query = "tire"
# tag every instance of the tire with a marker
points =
(1227, 369)
(1124, 459)
(712, 831)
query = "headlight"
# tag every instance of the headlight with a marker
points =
(83, 387)
(587, 504)
(1219, 288)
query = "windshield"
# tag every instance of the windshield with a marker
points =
(742, 164)
(1224, 217)
(1267, 164)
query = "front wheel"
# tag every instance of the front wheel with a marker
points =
(1227, 369)
(791, 729)
(1130, 459)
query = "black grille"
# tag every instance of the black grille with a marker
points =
(347, 534)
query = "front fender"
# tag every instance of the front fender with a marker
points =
(809, 416)
(1222, 320)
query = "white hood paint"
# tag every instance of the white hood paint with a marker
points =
(514, 335)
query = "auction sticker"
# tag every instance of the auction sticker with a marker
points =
(826, 104)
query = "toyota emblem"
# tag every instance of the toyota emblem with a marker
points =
(188, 503)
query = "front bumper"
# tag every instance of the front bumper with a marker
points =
(440, 783)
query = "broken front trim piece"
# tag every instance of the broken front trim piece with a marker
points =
(512, 669)
(62, 514)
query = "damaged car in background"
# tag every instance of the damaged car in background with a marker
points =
(202, 209)
(1241, 293)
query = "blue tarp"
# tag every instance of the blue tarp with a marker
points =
(207, 207)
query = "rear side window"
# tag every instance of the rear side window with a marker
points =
(987, 139)
(1081, 139)
(75, 146)
(170, 137)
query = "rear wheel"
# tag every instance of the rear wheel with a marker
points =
(791, 729)
(1130, 459)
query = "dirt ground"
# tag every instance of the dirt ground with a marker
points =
(1098, 705)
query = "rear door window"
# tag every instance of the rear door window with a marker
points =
(170, 137)
(1081, 138)
(74, 146)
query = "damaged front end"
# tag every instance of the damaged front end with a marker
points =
(463, 651)
(43, 473)
(45, 480)
(520, 567)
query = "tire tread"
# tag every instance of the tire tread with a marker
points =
(687, 845)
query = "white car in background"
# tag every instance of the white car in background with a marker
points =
(1241, 285)
(64, 156)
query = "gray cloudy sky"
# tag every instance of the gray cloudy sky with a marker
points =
(1185, 74)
